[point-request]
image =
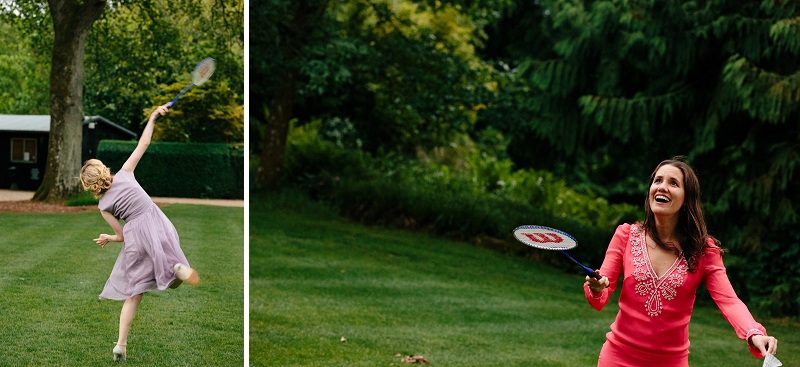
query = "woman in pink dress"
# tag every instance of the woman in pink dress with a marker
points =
(662, 261)
(151, 258)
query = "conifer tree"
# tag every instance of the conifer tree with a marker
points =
(617, 86)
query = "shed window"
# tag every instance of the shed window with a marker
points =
(23, 150)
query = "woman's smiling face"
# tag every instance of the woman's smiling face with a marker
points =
(666, 191)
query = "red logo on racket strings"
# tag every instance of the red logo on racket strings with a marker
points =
(544, 237)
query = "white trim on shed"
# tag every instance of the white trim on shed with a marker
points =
(25, 123)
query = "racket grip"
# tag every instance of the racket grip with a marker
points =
(158, 116)
(592, 274)
(168, 105)
(172, 102)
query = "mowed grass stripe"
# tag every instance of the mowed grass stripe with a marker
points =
(27, 248)
(315, 278)
(396, 290)
(53, 316)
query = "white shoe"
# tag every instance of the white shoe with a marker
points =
(119, 353)
(186, 274)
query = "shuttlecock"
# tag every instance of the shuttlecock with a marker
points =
(771, 361)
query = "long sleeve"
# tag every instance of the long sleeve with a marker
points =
(733, 309)
(611, 268)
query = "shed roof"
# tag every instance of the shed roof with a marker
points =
(102, 119)
(41, 123)
(27, 123)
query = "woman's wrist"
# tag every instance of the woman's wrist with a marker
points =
(594, 291)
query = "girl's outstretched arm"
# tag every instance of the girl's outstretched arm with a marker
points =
(144, 141)
(104, 239)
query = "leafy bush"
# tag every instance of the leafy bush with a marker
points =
(206, 115)
(467, 190)
(462, 216)
(196, 170)
(313, 164)
(774, 274)
(462, 167)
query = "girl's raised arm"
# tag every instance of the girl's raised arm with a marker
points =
(144, 141)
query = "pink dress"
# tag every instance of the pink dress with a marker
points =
(151, 247)
(652, 326)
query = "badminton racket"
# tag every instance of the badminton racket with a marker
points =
(200, 75)
(547, 238)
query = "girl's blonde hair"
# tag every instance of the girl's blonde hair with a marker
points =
(95, 177)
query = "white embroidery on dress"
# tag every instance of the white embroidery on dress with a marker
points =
(647, 282)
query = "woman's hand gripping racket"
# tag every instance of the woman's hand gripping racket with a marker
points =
(547, 238)
(201, 73)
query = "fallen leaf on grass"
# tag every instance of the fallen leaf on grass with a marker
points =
(415, 359)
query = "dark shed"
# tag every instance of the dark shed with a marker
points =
(25, 139)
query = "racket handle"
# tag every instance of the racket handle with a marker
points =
(172, 102)
(159, 115)
(592, 273)
(168, 105)
(588, 271)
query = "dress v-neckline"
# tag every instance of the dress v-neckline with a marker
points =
(648, 283)
(652, 270)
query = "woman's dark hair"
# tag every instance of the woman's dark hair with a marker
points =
(691, 231)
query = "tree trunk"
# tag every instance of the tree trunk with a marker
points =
(270, 167)
(305, 18)
(71, 23)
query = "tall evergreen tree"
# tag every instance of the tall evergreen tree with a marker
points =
(613, 87)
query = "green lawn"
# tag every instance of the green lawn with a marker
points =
(315, 278)
(51, 274)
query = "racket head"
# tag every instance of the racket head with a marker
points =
(203, 71)
(545, 238)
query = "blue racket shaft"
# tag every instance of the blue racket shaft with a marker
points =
(590, 272)
(201, 73)
(172, 102)
(186, 88)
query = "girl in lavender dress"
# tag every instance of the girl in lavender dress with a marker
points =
(151, 258)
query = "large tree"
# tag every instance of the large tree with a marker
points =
(402, 73)
(281, 34)
(71, 22)
(611, 88)
(615, 87)
(134, 50)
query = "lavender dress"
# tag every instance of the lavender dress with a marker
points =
(151, 247)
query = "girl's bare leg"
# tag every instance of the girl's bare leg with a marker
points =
(126, 318)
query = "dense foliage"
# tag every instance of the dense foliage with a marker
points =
(135, 53)
(409, 66)
(135, 46)
(615, 87)
(587, 95)
(23, 74)
(205, 114)
(404, 74)
(464, 191)
(137, 50)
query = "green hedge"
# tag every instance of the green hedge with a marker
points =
(190, 170)
(237, 164)
(464, 216)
